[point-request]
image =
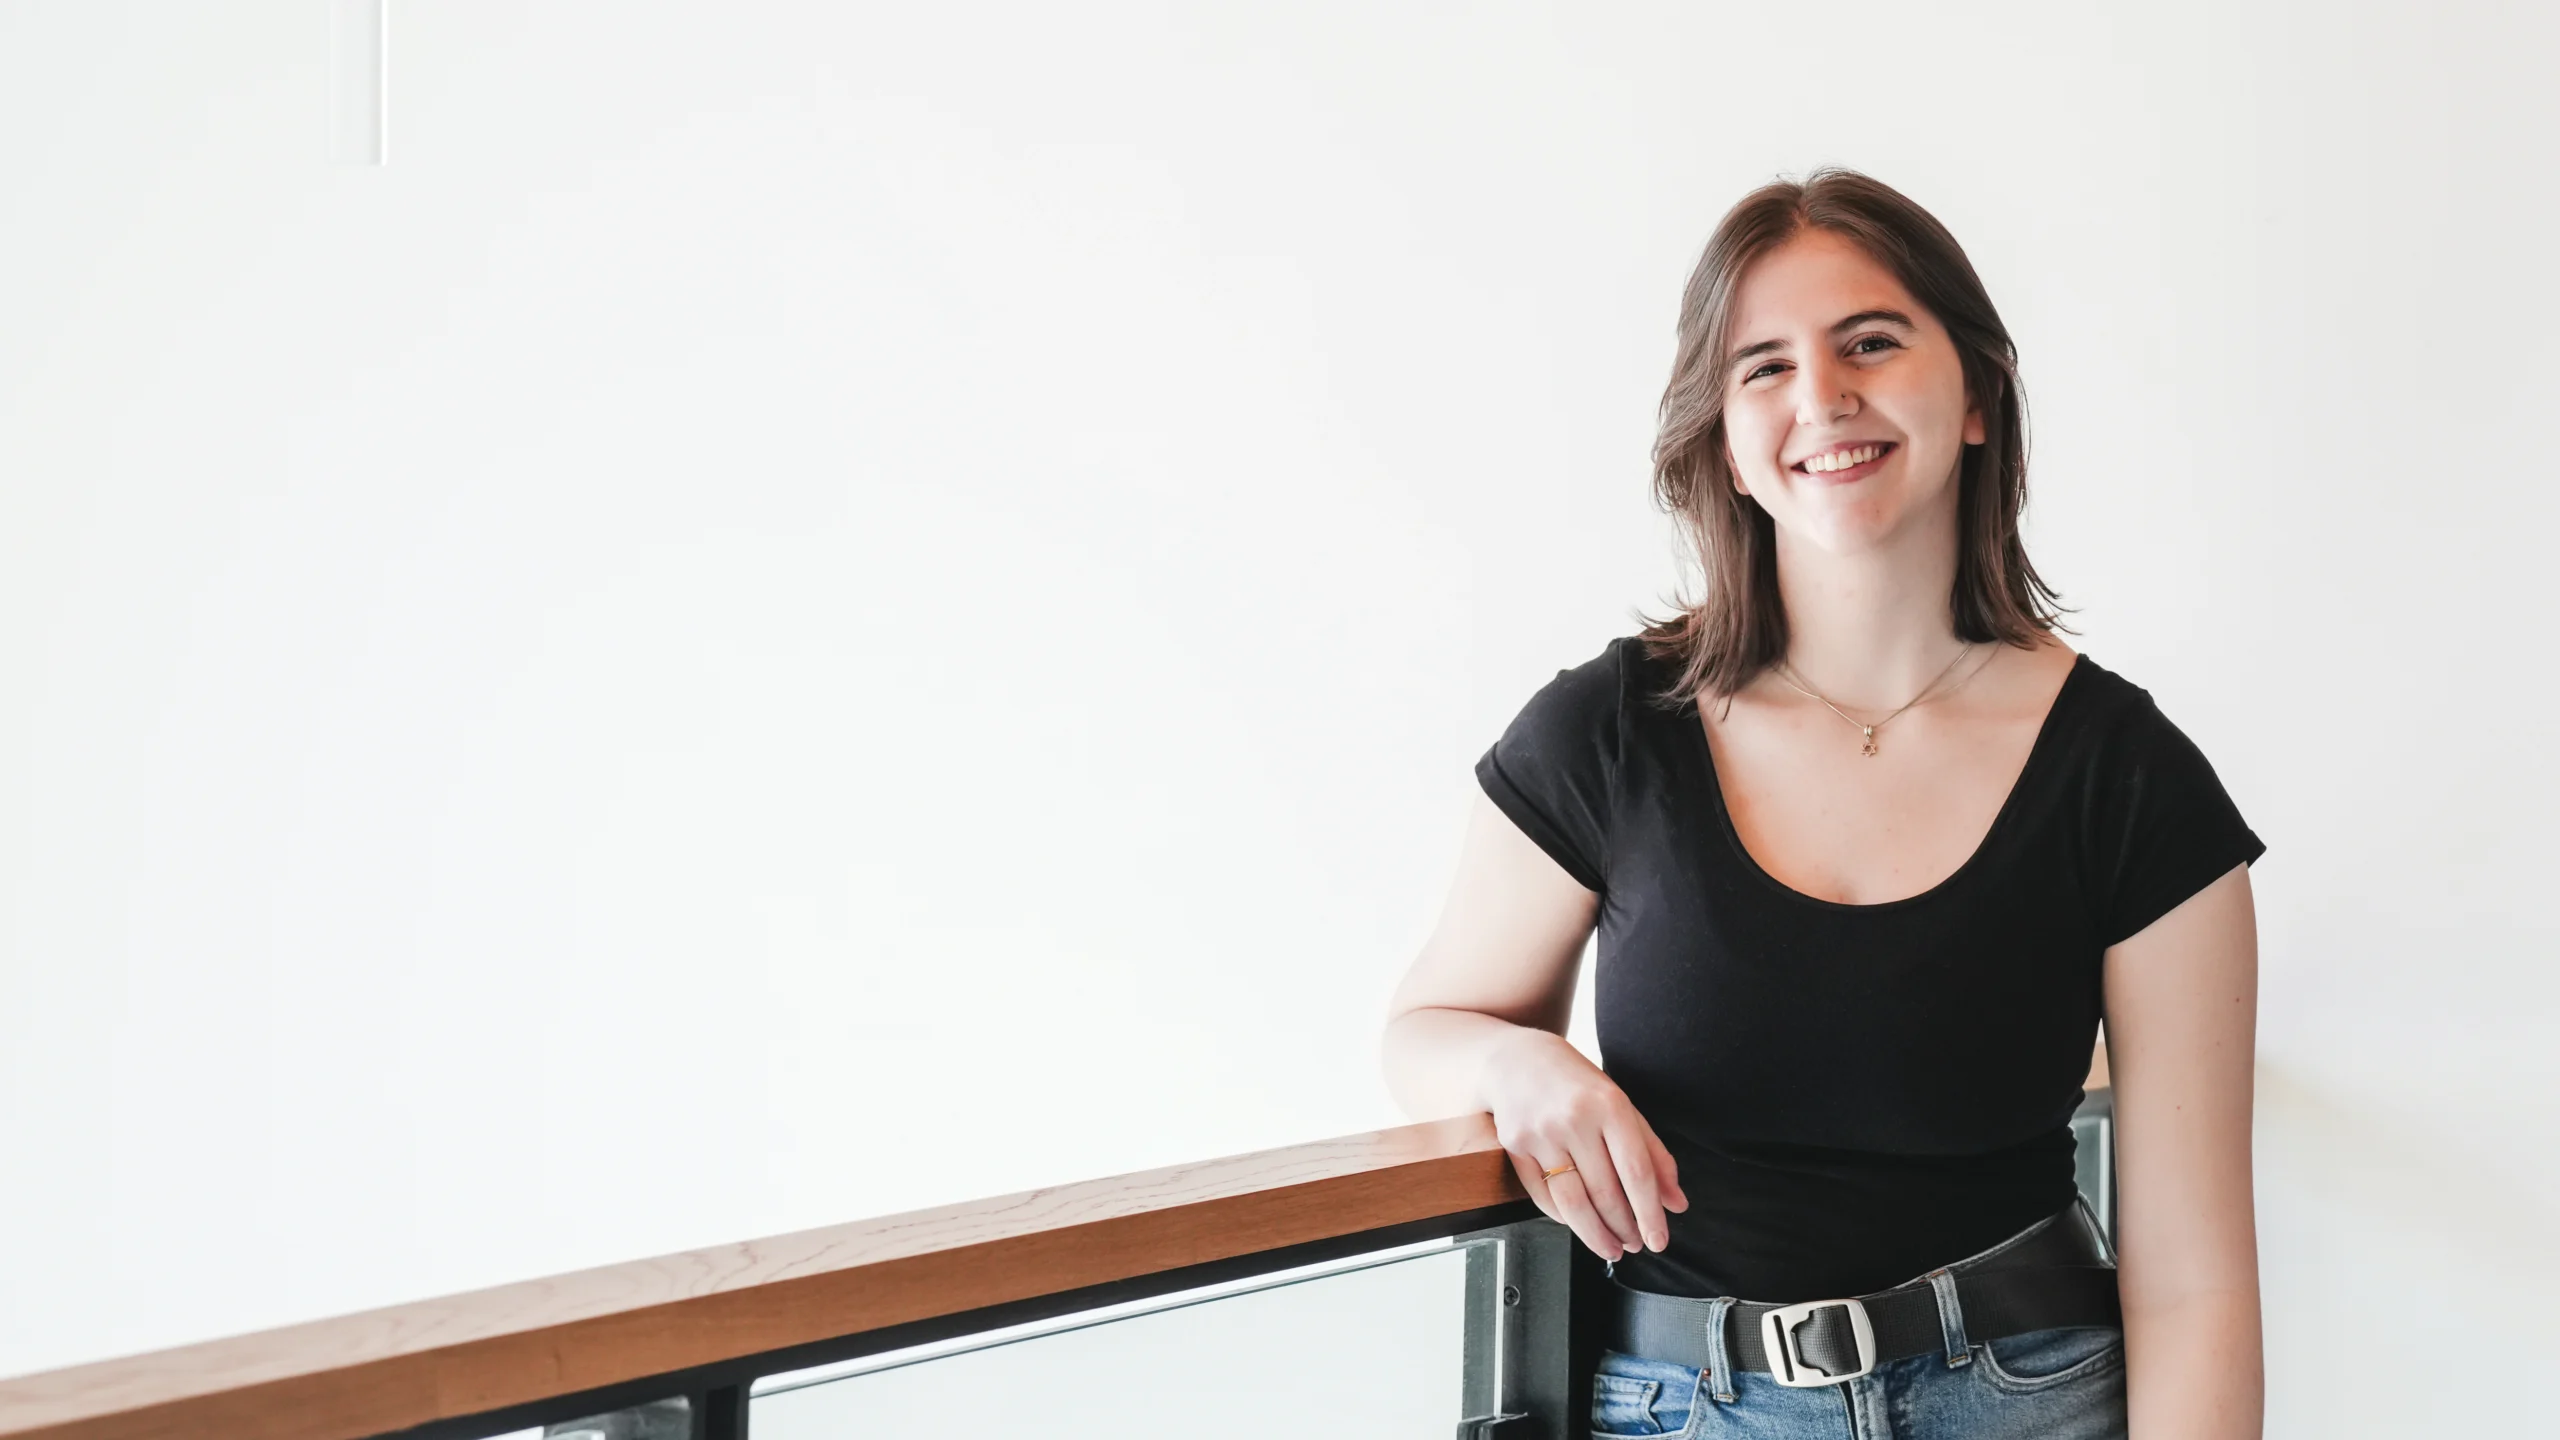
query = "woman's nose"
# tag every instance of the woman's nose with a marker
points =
(1825, 394)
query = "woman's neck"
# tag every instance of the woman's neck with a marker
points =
(1869, 630)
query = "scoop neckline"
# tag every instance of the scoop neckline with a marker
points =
(1695, 724)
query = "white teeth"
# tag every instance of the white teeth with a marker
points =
(1825, 464)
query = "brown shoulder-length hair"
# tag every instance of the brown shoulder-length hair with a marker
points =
(1716, 644)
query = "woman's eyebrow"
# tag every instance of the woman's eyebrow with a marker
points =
(1846, 322)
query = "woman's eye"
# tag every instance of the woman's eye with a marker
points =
(1859, 346)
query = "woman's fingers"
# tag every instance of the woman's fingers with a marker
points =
(1590, 1199)
(1616, 1178)
(1602, 1166)
(1667, 1172)
(1651, 1178)
(1565, 1200)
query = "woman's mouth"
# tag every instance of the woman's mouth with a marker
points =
(1854, 462)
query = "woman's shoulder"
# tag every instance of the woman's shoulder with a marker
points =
(1554, 768)
(1594, 711)
(1621, 673)
(2157, 822)
(2116, 716)
(2125, 755)
(1584, 698)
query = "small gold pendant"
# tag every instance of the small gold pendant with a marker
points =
(1870, 749)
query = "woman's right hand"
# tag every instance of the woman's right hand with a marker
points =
(1552, 1106)
(1476, 1025)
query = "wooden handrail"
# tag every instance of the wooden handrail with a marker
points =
(385, 1370)
(391, 1369)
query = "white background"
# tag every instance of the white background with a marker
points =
(802, 610)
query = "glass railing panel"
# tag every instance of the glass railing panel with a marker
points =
(2093, 1134)
(670, 1419)
(657, 1420)
(1364, 1348)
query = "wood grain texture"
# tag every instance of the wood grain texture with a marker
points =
(383, 1370)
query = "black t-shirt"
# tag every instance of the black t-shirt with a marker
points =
(1855, 1094)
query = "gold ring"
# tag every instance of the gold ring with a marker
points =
(1550, 1175)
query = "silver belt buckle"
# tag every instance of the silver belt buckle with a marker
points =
(1787, 1364)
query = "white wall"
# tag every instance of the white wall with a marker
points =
(801, 610)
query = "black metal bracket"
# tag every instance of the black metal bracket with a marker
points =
(720, 1414)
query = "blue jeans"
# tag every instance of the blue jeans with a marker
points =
(2063, 1384)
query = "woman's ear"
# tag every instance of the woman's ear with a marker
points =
(1974, 431)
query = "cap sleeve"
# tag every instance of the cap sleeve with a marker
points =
(2165, 826)
(1553, 769)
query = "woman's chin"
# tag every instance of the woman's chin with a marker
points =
(1863, 519)
(1852, 531)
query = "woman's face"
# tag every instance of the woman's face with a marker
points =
(1831, 360)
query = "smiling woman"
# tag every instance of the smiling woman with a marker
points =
(1846, 988)
(1931, 367)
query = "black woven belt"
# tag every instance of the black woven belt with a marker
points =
(2056, 1272)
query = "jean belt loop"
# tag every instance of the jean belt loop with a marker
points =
(1719, 1367)
(1951, 1318)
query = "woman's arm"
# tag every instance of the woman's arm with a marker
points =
(2182, 1007)
(1478, 1025)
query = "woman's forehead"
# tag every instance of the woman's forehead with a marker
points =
(1810, 282)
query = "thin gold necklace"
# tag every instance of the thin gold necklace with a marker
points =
(1869, 749)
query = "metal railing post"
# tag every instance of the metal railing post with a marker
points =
(1519, 1374)
(721, 1414)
